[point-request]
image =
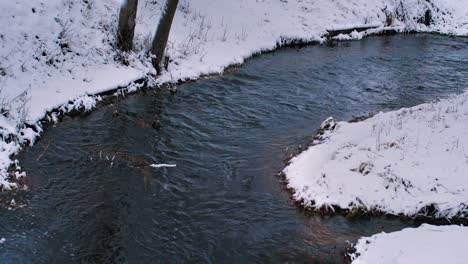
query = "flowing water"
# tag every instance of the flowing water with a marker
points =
(94, 199)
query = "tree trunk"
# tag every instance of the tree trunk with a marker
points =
(127, 18)
(162, 33)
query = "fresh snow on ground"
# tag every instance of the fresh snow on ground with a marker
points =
(426, 244)
(399, 162)
(53, 52)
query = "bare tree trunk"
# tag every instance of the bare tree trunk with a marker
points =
(127, 18)
(162, 33)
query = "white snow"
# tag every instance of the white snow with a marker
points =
(426, 244)
(53, 52)
(397, 162)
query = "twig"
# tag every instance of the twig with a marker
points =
(43, 151)
(163, 165)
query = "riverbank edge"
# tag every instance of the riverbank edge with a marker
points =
(358, 212)
(16, 176)
(427, 214)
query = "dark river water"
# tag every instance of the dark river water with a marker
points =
(94, 199)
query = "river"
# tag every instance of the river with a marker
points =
(94, 199)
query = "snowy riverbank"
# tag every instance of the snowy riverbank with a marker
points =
(413, 161)
(58, 53)
(425, 244)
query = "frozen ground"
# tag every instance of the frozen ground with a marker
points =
(425, 244)
(413, 161)
(53, 52)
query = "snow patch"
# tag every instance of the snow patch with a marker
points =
(425, 244)
(413, 161)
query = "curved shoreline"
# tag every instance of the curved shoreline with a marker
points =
(107, 97)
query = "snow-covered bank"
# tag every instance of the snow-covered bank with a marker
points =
(425, 244)
(56, 51)
(413, 161)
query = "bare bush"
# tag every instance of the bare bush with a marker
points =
(66, 34)
(195, 41)
(184, 7)
(225, 31)
(14, 108)
(242, 35)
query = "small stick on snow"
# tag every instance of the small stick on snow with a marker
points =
(163, 165)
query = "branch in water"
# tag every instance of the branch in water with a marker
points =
(163, 165)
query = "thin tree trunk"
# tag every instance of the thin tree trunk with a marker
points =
(127, 17)
(162, 33)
